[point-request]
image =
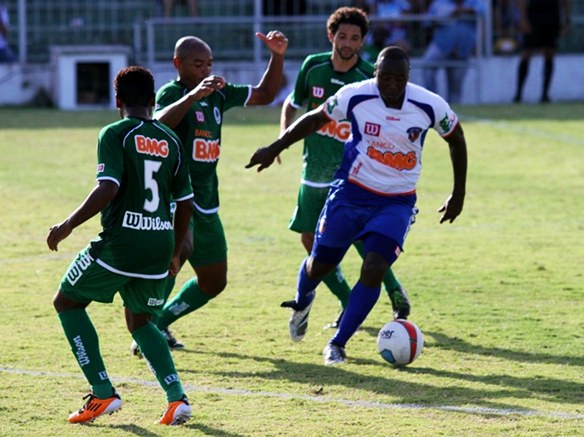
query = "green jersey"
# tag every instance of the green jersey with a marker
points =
(200, 133)
(316, 81)
(145, 159)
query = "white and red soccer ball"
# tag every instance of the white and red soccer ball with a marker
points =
(400, 342)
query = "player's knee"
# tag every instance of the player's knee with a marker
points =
(214, 286)
(373, 270)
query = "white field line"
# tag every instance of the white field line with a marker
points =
(524, 130)
(317, 399)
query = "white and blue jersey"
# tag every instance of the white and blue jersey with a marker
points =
(384, 152)
(381, 163)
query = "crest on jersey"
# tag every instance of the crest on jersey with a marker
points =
(200, 116)
(318, 92)
(372, 129)
(414, 133)
(217, 115)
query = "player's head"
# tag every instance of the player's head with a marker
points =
(134, 86)
(193, 60)
(392, 71)
(346, 30)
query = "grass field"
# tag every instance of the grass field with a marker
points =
(498, 294)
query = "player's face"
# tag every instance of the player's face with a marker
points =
(392, 78)
(347, 41)
(195, 66)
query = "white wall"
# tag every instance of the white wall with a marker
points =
(492, 81)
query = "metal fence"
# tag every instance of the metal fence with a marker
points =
(228, 25)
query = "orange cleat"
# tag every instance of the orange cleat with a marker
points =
(177, 412)
(95, 407)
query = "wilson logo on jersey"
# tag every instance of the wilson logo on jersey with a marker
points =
(151, 146)
(317, 92)
(200, 116)
(140, 222)
(398, 160)
(340, 131)
(372, 129)
(100, 168)
(79, 266)
(206, 151)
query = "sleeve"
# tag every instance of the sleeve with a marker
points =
(336, 105)
(166, 96)
(235, 95)
(300, 93)
(110, 156)
(446, 119)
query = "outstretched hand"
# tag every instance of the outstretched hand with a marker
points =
(451, 208)
(207, 86)
(264, 157)
(275, 41)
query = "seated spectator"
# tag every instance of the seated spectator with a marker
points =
(395, 32)
(453, 40)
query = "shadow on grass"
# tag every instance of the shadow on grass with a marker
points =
(202, 430)
(450, 392)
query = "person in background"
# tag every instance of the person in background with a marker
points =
(322, 75)
(374, 196)
(541, 23)
(6, 53)
(193, 106)
(141, 167)
(453, 40)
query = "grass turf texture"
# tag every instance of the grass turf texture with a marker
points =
(498, 294)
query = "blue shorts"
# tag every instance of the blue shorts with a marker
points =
(350, 213)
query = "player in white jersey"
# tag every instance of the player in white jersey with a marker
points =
(374, 196)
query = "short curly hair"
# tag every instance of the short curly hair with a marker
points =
(348, 15)
(134, 86)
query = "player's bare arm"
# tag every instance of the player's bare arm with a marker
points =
(267, 89)
(98, 199)
(174, 113)
(452, 207)
(304, 126)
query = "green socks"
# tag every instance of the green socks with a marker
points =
(336, 282)
(155, 349)
(188, 299)
(84, 342)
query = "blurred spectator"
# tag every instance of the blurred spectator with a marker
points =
(505, 25)
(168, 7)
(393, 32)
(285, 7)
(542, 22)
(453, 41)
(6, 54)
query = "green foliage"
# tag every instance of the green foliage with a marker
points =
(498, 293)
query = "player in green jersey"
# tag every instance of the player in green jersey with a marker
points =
(193, 106)
(321, 76)
(141, 168)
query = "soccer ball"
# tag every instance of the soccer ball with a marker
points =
(400, 342)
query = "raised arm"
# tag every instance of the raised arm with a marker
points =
(458, 155)
(172, 114)
(304, 126)
(267, 89)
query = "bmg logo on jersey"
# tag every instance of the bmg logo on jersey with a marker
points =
(151, 146)
(206, 151)
(372, 129)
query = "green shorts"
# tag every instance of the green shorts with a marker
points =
(308, 207)
(209, 243)
(86, 281)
